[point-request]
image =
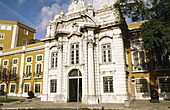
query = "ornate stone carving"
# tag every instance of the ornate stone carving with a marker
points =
(90, 43)
(60, 46)
(76, 6)
(104, 4)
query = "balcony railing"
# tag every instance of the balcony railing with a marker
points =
(27, 75)
(38, 75)
(13, 77)
(140, 67)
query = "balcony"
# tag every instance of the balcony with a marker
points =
(140, 68)
(27, 75)
(13, 77)
(38, 75)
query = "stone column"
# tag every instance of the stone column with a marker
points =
(59, 66)
(92, 99)
(91, 68)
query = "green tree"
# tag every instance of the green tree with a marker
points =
(6, 76)
(156, 30)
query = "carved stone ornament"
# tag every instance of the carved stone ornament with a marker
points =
(76, 6)
(90, 42)
(104, 4)
(60, 46)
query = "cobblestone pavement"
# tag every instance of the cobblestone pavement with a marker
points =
(36, 104)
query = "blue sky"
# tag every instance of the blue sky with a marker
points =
(36, 13)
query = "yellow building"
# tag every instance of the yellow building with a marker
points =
(14, 34)
(24, 68)
(144, 67)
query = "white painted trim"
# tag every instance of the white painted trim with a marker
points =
(21, 73)
(135, 40)
(138, 60)
(16, 70)
(102, 89)
(40, 87)
(39, 55)
(31, 59)
(14, 36)
(15, 59)
(23, 51)
(147, 85)
(24, 88)
(159, 83)
(41, 67)
(4, 87)
(4, 61)
(50, 85)
(10, 88)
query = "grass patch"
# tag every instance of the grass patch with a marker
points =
(2, 100)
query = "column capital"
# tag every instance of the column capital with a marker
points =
(60, 46)
(90, 42)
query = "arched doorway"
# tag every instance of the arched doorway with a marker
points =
(73, 85)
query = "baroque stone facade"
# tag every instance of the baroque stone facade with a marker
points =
(89, 46)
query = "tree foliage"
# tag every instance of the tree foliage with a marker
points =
(156, 30)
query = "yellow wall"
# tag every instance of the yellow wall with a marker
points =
(7, 41)
(9, 66)
(152, 74)
(32, 80)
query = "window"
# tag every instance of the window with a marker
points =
(2, 88)
(2, 27)
(24, 42)
(164, 85)
(137, 44)
(53, 86)
(2, 35)
(12, 89)
(54, 60)
(28, 69)
(26, 88)
(15, 61)
(75, 54)
(139, 60)
(8, 27)
(162, 61)
(37, 88)
(25, 31)
(5, 63)
(1, 47)
(29, 59)
(39, 57)
(38, 68)
(108, 84)
(106, 49)
(142, 85)
(14, 70)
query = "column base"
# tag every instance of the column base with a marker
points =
(44, 97)
(60, 99)
(91, 99)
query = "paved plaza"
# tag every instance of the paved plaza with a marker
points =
(36, 104)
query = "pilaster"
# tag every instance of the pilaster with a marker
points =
(91, 78)
(46, 73)
(21, 73)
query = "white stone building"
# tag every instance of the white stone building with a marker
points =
(89, 43)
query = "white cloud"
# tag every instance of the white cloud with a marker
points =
(21, 1)
(47, 13)
(96, 3)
